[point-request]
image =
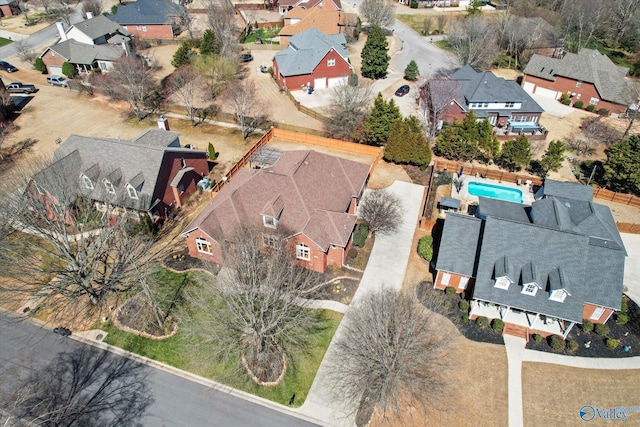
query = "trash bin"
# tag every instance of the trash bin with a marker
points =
(310, 90)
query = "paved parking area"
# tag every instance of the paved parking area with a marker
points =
(632, 266)
(551, 106)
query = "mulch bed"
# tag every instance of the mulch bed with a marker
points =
(341, 290)
(180, 261)
(627, 334)
(138, 315)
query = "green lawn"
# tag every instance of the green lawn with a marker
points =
(264, 34)
(179, 352)
(4, 42)
(443, 44)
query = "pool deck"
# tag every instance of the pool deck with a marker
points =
(527, 195)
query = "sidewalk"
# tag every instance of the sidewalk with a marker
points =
(386, 268)
(515, 352)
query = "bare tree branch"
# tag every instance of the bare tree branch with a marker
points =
(183, 83)
(378, 13)
(473, 41)
(250, 111)
(348, 109)
(381, 211)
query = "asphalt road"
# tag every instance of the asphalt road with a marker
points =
(177, 401)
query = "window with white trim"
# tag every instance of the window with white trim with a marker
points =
(446, 277)
(269, 240)
(594, 101)
(87, 182)
(138, 27)
(203, 245)
(132, 192)
(303, 252)
(578, 84)
(502, 282)
(558, 295)
(269, 221)
(463, 283)
(331, 62)
(597, 313)
(529, 289)
(509, 104)
(144, 28)
(109, 186)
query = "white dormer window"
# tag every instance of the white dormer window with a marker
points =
(203, 245)
(530, 289)
(509, 104)
(109, 186)
(331, 62)
(132, 192)
(87, 182)
(558, 295)
(502, 282)
(269, 221)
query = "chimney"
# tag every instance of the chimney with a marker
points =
(163, 123)
(89, 15)
(60, 26)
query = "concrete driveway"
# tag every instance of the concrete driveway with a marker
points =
(552, 107)
(632, 266)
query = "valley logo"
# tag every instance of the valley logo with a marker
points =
(589, 413)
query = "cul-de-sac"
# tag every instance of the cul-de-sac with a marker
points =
(319, 213)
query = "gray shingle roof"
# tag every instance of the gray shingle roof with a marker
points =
(81, 53)
(502, 209)
(136, 162)
(457, 252)
(100, 26)
(306, 50)
(147, 12)
(567, 190)
(588, 66)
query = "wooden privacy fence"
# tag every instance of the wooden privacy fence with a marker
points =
(612, 196)
(625, 227)
(485, 172)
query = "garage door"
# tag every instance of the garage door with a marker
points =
(55, 70)
(337, 81)
(547, 92)
(320, 83)
(529, 87)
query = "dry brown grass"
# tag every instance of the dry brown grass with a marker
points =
(553, 394)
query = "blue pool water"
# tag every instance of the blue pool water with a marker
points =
(495, 192)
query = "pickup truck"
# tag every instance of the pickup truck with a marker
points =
(17, 87)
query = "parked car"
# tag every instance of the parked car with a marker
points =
(57, 81)
(18, 87)
(65, 332)
(4, 65)
(402, 90)
(246, 57)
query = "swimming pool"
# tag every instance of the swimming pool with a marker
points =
(495, 192)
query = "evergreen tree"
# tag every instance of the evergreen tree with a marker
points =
(474, 8)
(487, 141)
(208, 42)
(375, 59)
(407, 144)
(212, 152)
(68, 69)
(381, 118)
(40, 65)
(552, 158)
(621, 171)
(516, 153)
(183, 56)
(411, 72)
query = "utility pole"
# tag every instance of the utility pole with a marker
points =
(593, 171)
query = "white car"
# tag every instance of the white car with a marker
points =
(57, 81)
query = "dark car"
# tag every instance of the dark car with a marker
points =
(65, 332)
(402, 90)
(246, 57)
(4, 65)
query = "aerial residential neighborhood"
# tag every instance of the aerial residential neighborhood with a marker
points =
(333, 213)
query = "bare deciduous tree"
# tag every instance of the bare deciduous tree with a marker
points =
(473, 41)
(92, 6)
(222, 18)
(85, 387)
(249, 110)
(580, 20)
(6, 129)
(26, 51)
(257, 307)
(65, 253)
(183, 84)
(593, 131)
(217, 72)
(378, 13)
(133, 81)
(381, 211)
(391, 355)
(622, 14)
(435, 96)
(349, 107)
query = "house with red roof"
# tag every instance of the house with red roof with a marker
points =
(310, 196)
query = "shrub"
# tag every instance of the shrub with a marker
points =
(537, 338)
(424, 247)
(564, 97)
(40, 66)
(463, 295)
(353, 252)
(447, 304)
(68, 69)
(587, 326)
(624, 305)
(612, 343)
(414, 4)
(590, 107)
(482, 322)
(450, 290)
(572, 346)
(465, 319)
(557, 342)
(566, 101)
(603, 112)
(360, 236)
(497, 325)
(602, 329)
(578, 104)
(463, 306)
(621, 318)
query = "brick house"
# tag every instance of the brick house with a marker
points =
(9, 8)
(95, 43)
(151, 19)
(541, 268)
(503, 102)
(286, 5)
(150, 174)
(312, 59)
(587, 76)
(322, 17)
(311, 196)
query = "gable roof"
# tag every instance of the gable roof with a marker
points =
(325, 20)
(310, 191)
(306, 50)
(81, 53)
(147, 12)
(136, 162)
(457, 253)
(567, 190)
(588, 65)
(99, 26)
(307, 4)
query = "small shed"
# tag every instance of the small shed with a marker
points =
(448, 204)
